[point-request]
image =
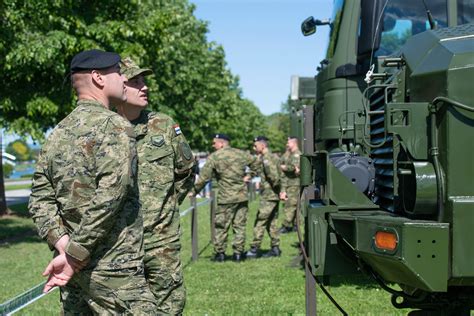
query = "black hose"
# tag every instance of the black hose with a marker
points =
(434, 149)
(306, 259)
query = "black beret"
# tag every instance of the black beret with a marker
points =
(222, 136)
(260, 138)
(94, 59)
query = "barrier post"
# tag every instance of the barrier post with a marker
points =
(213, 206)
(194, 229)
(310, 293)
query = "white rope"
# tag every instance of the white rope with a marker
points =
(186, 211)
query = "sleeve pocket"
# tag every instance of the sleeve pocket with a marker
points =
(157, 153)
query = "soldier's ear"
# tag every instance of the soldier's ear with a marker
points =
(98, 79)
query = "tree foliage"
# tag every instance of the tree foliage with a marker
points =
(7, 170)
(20, 149)
(278, 129)
(191, 80)
(290, 104)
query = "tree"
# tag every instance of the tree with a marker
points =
(191, 83)
(289, 104)
(7, 170)
(20, 149)
(278, 130)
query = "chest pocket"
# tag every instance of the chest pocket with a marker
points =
(158, 163)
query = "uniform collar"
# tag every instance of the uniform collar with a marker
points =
(92, 103)
(140, 124)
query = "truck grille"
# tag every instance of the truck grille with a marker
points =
(382, 156)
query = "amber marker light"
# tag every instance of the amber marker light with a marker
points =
(386, 240)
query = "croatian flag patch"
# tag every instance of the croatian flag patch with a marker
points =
(177, 129)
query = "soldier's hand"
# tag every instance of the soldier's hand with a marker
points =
(191, 194)
(283, 196)
(247, 178)
(297, 170)
(59, 271)
(61, 246)
(283, 167)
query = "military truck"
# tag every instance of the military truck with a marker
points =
(387, 171)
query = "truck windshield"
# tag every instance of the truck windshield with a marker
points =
(403, 18)
(336, 19)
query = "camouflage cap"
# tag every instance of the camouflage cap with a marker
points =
(130, 69)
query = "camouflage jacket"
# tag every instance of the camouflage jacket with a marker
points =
(85, 186)
(289, 177)
(269, 172)
(165, 175)
(228, 167)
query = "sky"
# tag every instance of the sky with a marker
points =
(263, 43)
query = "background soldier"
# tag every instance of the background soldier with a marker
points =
(228, 166)
(84, 198)
(290, 183)
(165, 176)
(267, 214)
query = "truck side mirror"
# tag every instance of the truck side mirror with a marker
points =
(308, 27)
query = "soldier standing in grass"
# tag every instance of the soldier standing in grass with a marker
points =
(228, 166)
(84, 198)
(267, 214)
(290, 184)
(165, 176)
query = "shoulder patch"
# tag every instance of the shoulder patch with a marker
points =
(157, 140)
(185, 151)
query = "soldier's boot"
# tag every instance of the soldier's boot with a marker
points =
(285, 230)
(219, 257)
(237, 257)
(274, 252)
(252, 253)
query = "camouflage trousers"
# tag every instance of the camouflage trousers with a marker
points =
(289, 219)
(227, 214)
(108, 292)
(266, 219)
(164, 273)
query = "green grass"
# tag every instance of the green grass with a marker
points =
(16, 226)
(23, 256)
(17, 187)
(259, 287)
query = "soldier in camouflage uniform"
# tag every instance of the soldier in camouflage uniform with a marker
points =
(165, 176)
(84, 198)
(267, 214)
(228, 166)
(290, 183)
